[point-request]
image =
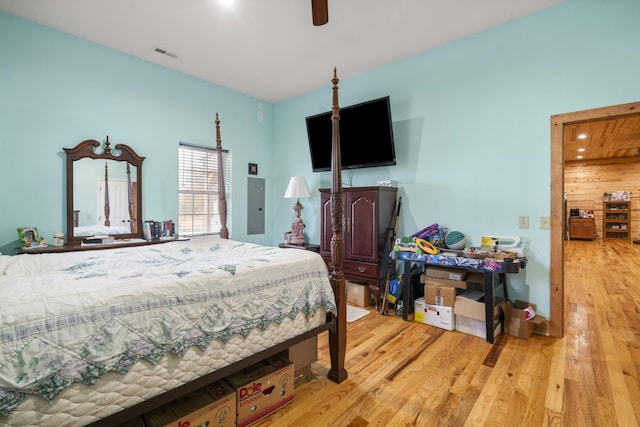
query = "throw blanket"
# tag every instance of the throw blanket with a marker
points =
(75, 316)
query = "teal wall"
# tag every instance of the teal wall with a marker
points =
(471, 122)
(57, 90)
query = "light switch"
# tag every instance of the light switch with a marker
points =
(545, 222)
(523, 222)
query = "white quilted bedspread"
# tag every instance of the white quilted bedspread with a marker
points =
(85, 334)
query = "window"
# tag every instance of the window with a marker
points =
(198, 190)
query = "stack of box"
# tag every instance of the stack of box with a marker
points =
(241, 399)
(441, 285)
(454, 299)
(214, 405)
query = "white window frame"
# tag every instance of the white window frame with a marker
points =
(198, 213)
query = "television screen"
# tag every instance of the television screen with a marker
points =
(366, 136)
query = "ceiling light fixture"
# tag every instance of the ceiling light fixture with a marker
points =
(582, 136)
(579, 157)
(581, 150)
(226, 2)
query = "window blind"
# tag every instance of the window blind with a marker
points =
(198, 190)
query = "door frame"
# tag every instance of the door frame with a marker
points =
(556, 275)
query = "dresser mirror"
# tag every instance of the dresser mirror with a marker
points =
(104, 191)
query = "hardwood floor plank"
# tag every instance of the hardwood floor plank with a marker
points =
(531, 380)
(434, 336)
(407, 373)
(555, 388)
(494, 354)
(620, 395)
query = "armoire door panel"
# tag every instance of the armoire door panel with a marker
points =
(363, 245)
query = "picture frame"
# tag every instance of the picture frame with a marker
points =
(253, 169)
(28, 237)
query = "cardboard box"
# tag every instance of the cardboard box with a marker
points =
(438, 316)
(437, 294)
(419, 310)
(360, 295)
(515, 319)
(445, 273)
(262, 389)
(305, 353)
(475, 327)
(470, 316)
(460, 284)
(214, 405)
(475, 277)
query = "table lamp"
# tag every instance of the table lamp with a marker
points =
(297, 188)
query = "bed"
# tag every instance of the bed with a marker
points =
(82, 342)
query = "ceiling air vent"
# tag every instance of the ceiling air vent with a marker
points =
(164, 52)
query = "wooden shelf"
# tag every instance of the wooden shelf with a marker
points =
(616, 218)
(76, 247)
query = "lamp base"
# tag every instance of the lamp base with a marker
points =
(296, 228)
(297, 240)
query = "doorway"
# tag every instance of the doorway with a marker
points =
(556, 276)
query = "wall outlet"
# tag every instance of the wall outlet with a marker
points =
(545, 222)
(523, 222)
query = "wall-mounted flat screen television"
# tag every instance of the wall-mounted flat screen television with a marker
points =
(366, 136)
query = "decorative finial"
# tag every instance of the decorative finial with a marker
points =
(218, 139)
(335, 108)
(107, 146)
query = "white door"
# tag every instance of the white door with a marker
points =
(118, 205)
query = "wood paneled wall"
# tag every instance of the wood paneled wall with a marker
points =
(586, 181)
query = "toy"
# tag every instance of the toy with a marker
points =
(426, 232)
(414, 244)
(426, 247)
(455, 240)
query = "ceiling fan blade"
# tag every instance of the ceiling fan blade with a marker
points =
(320, 12)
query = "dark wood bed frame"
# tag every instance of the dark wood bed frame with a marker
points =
(336, 325)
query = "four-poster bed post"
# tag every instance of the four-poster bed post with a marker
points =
(222, 198)
(338, 332)
(107, 222)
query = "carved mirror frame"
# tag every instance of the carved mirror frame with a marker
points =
(123, 153)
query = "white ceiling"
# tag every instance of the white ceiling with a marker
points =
(269, 49)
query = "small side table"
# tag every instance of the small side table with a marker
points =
(306, 246)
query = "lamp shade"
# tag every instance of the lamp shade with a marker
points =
(297, 188)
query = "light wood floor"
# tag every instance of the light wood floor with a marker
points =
(406, 373)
